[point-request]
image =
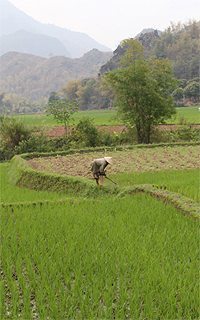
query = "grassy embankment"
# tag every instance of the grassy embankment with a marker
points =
(108, 117)
(12, 193)
(185, 182)
(174, 167)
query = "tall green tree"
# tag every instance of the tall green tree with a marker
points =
(143, 91)
(62, 110)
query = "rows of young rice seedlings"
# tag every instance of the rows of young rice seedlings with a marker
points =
(185, 182)
(130, 257)
(12, 193)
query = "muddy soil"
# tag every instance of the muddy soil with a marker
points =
(137, 160)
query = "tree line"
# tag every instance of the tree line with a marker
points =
(140, 88)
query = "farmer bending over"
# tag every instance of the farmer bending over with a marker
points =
(98, 168)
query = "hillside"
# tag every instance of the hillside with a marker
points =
(12, 20)
(179, 43)
(34, 77)
(32, 43)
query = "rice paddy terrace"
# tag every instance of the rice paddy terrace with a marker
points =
(70, 250)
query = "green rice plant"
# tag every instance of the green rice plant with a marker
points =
(106, 117)
(186, 114)
(101, 117)
(131, 257)
(9, 192)
(185, 182)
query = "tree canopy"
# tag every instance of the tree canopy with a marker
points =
(62, 109)
(143, 91)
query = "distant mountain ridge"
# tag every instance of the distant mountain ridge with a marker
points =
(32, 43)
(62, 42)
(35, 77)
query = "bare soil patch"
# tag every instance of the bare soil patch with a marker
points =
(136, 160)
(59, 131)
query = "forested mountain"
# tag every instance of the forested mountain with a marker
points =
(15, 25)
(179, 43)
(35, 77)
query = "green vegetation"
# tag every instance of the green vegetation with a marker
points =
(101, 117)
(186, 114)
(185, 182)
(12, 132)
(180, 44)
(61, 109)
(107, 117)
(108, 252)
(187, 91)
(100, 259)
(89, 93)
(142, 90)
(24, 176)
(10, 192)
(86, 134)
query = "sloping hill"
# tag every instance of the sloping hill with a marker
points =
(27, 42)
(179, 43)
(13, 20)
(35, 77)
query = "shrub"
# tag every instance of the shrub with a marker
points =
(107, 139)
(6, 154)
(34, 143)
(184, 133)
(187, 133)
(86, 134)
(12, 132)
(40, 143)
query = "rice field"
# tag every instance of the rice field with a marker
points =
(176, 168)
(185, 182)
(110, 257)
(100, 117)
(11, 193)
(130, 258)
(108, 117)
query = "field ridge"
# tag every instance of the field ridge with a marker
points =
(183, 204)
(25, 176)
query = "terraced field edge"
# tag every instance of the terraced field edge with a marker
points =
(23, 175)
(105, 148)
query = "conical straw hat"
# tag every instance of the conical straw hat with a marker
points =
(108, 159)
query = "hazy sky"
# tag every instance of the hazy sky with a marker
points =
(110, 21)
